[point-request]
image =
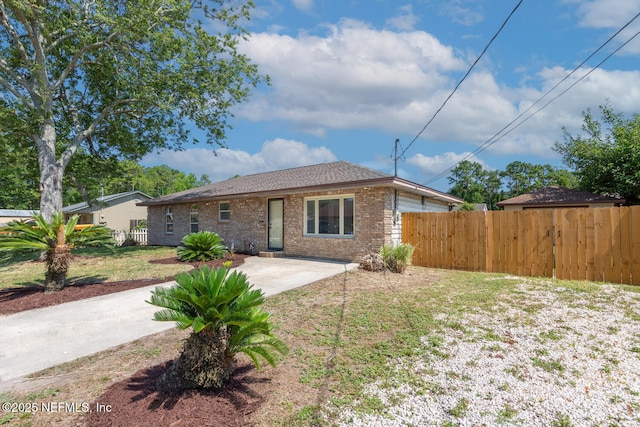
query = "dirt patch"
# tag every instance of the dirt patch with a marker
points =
(15, 300)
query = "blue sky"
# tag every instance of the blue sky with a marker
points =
(351, 76)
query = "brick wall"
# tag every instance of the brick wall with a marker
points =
(249, 220)
(372, 226)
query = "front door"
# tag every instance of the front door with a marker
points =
(276, 224)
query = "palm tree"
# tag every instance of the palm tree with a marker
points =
(224, 312)
(55, 239)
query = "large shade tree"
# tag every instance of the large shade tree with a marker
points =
(117, 78)
(606, 161)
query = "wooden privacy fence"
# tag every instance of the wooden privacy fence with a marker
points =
(600, 244)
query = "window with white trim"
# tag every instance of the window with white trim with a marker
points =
(224, 211)
(329, 215)
(168, 220)
(193, 219)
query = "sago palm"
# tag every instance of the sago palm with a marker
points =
(201, 246)
(225, 315)
(55, 239)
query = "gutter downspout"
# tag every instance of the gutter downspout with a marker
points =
(395, 190)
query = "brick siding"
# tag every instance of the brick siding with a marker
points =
(249, 220)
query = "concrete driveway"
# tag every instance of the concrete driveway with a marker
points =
(38, 339)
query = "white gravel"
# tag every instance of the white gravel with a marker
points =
(546, 357)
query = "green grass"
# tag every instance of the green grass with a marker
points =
(357, 336)
(95, 265)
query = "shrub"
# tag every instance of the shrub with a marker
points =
(130, 241)
(372, 262)
(467, 207)
(396, 258)
(225, 316)
(201, 246)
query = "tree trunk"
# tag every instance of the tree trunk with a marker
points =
(204, 363)
(51, 170)
(57, 262)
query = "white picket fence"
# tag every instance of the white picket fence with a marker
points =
(139, 236)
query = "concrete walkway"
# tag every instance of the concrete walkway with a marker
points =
(38, 339)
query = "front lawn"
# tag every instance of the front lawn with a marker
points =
(94, 265)
(428, 347)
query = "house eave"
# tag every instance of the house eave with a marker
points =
(393, 182)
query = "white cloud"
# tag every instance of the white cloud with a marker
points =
(612, 14)
(405, 19)
(463, 12)
(433, 165)
(351, 78)
(303, 5)
(225, 163)
(606, 13)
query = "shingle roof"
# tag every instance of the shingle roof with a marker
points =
(287, 181)
(559, 196)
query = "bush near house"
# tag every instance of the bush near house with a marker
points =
(201, 246)
(397, 258)
(393, 258)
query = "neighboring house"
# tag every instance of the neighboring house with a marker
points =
(116, 211)
(8, 215)
(559, 197)
(333, 210)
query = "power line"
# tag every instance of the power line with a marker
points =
(463, 78)
(497, 136)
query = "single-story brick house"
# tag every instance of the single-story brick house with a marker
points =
(116, 211)
(559, 197)
(333, 210)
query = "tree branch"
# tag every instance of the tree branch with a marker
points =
(82, 135)
(4, 83)
(76, 57)
(4, 21)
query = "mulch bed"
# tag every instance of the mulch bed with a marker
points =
(15, 300)
(135, 402)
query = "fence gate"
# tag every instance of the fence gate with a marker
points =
(601, 244)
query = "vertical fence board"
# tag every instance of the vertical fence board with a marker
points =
(634, 219)
(606, 239)
(498, 233)
(486, 223)
(545, 239)
(590, 244)
(558, 226)
(435, 242)
(478, 242)
(615, 245)
(510, 252)
(598, 258)
(577, 269)
(625, 245)
(530, 264)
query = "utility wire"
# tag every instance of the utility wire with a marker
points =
(463, 78)
(497, 136)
